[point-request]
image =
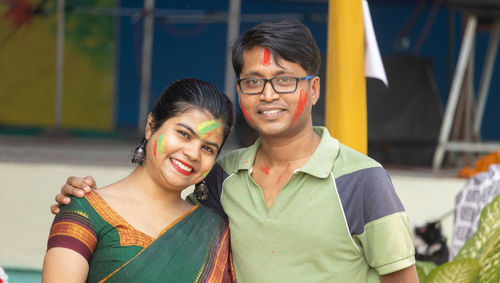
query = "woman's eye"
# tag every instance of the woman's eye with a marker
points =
(207, 148)
(184, 134)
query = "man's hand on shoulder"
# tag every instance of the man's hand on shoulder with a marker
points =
(75, 186)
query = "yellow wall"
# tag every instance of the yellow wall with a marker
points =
(27, 80)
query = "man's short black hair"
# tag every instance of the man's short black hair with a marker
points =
(290, 40)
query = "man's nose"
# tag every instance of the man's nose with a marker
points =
(268, 94)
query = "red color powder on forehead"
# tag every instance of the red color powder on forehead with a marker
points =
(266, 60)
(302, 105)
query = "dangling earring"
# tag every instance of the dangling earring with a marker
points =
(139, 155)
(201, 191)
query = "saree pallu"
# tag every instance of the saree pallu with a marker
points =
(195, 249)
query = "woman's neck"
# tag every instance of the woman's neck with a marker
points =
(141, 184)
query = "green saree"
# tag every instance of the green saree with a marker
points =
(195, 248)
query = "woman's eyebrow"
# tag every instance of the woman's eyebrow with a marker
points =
(213, 144)
(187, 127)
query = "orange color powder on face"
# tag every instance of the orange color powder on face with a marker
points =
(206, 129)
(246, 113)
(302, 105)
(264, 169)
(266, 60)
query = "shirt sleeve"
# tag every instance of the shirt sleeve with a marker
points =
(377, 219)
(72, 229)
(387, 239)
(387, 243)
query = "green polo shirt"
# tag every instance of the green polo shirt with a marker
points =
(338, 218)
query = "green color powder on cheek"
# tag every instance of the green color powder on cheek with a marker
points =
(159, 144)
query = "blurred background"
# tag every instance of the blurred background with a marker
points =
(72, 100)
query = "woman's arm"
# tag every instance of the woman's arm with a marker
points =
(64, 265)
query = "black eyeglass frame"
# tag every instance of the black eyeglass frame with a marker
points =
(297, 80)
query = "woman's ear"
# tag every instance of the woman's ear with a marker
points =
(149, 130)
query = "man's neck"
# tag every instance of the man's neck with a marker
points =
(285, 150)
(278, 157)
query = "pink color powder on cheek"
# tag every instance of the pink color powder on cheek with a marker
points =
(302, 105)
(266, 59)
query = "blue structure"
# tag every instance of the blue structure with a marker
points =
(198, 49)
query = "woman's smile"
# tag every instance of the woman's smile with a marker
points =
(181, 166)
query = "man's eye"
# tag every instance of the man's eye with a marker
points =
(283, 80)
(253, 82)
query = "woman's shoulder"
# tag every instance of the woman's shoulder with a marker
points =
(83, 206)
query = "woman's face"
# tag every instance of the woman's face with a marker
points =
(183, 150)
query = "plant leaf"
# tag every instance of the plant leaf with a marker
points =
(490, 260)
(420, 273)
(425, 267)
(490, 246)
(457, 271)
(489, 221)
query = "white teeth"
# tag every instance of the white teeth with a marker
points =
(182, 166)
(270, 112)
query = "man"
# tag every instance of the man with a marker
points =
(301, 206)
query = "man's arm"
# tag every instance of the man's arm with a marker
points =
(407, 275)
(75, 186)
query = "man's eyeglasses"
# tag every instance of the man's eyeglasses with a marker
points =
(279, 84)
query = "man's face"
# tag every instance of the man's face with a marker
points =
(271, 113)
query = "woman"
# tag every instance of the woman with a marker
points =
(139, 229)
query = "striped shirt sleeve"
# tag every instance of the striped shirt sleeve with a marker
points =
(72, 229)
(376, 217)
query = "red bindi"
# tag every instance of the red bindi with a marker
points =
(302, 105)
(266, 59)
